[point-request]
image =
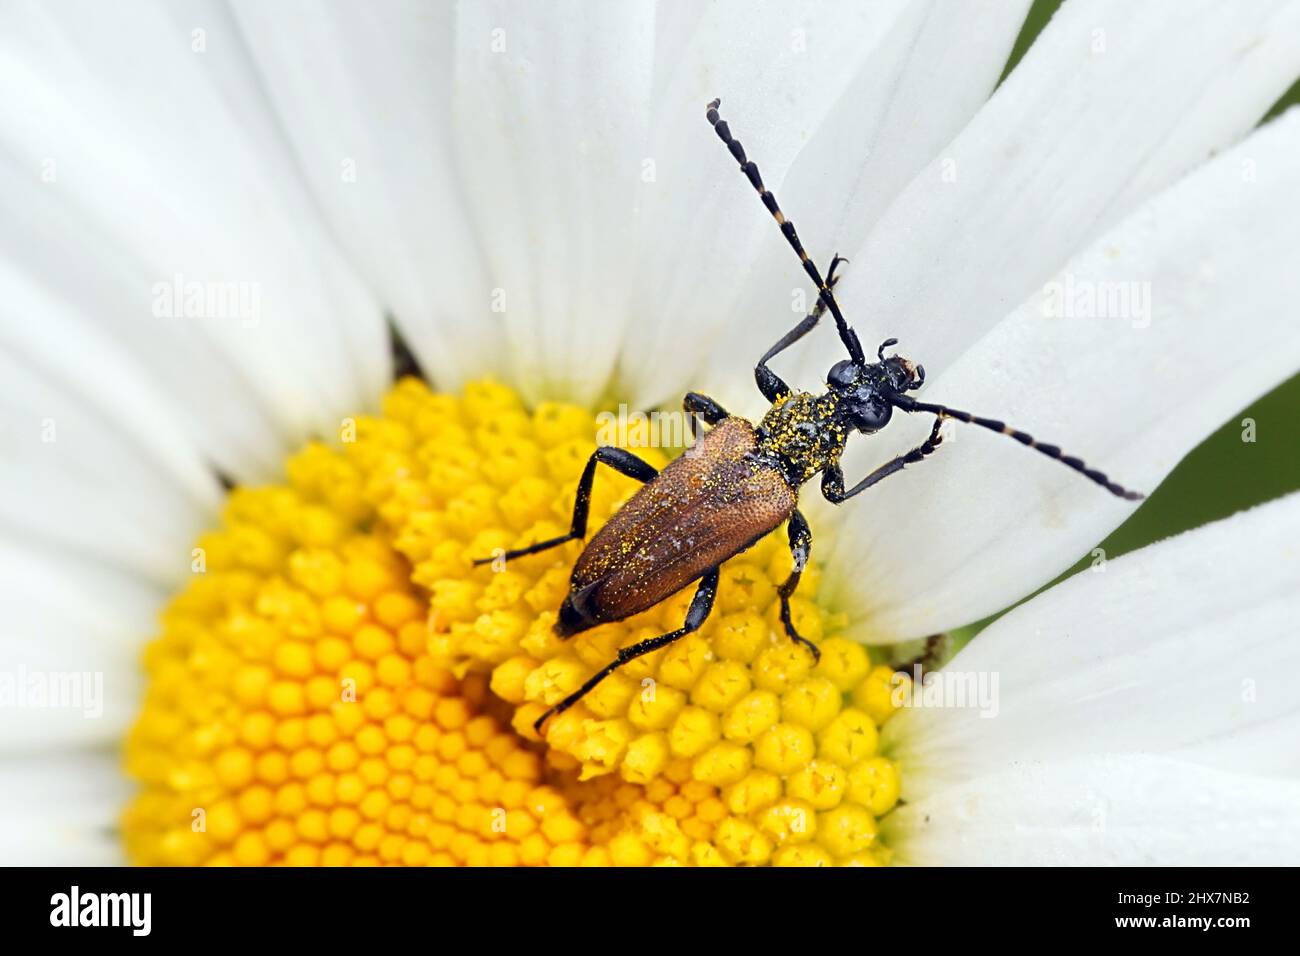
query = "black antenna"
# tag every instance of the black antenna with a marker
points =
(847, 335)
(1051, 451)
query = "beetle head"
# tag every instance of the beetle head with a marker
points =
(867, 391)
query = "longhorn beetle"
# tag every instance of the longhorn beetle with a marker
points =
(742, 481)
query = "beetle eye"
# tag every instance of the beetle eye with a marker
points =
(842, 374)
(871, 415)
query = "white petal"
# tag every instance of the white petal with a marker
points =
(1103, 811)
(62, 255)
(984, 521)
(160, 138)
(1113, 101)
(549, 113)
(95, 461)
(53, 342)
(364, 92)
(896, 114)
(1185, 648)
(61, 810)
(779, 69)
(69, 659)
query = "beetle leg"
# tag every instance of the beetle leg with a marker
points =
(624, 462)
(800, 546)
(769, 383)
(833, 476)
(937, 646)
(701, 406)
(696, 614)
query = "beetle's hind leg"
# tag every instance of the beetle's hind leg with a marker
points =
(624, 462)
(699, 406)
(696, 615)
(800, 547)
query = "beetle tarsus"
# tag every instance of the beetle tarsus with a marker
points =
(524, 552)
(812, 648)
(800, 547)
(696, 615)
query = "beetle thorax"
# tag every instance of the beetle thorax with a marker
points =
(802, 434)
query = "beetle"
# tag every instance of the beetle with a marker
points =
(741, 481)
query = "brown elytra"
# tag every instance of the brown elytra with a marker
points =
(707, 505)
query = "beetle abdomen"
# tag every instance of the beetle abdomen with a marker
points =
(709, 504)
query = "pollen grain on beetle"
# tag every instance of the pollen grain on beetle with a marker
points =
(340, 684)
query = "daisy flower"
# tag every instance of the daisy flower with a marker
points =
(244, 625)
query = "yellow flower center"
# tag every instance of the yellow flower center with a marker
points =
(338, 684)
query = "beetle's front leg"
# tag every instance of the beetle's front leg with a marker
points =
(800, 548)
(624, 462)
(771, 384)
(833, 475)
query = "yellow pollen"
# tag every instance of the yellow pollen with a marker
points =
(339, 685)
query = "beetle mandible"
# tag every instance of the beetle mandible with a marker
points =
(742, 481)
